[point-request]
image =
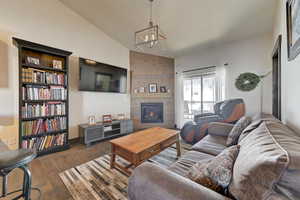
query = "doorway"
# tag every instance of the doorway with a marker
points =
(276, 58)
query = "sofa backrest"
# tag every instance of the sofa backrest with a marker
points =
(268, 164)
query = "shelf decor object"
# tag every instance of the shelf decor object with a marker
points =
(43, 97)
(150, 36)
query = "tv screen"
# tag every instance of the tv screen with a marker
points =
(100, 77)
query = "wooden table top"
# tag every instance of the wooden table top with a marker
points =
(142, 140)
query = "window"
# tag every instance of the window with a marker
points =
(199, 94)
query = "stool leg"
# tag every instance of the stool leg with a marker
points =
(4, 186)
(24, 183)
(27, 182)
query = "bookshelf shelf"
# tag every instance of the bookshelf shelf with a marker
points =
(39, 79)
(43, 101)
(43, 84)
(53, 149)
(44, 134)
(43, 68)
(42, 117)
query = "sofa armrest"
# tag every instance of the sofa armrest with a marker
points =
(219, 128)
(151, 182)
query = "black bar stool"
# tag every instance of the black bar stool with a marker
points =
(11, 160)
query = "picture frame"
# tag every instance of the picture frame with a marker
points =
(92, 120)
(293, 28)
(152, 88)
(142, 90)
(163, 89)
(106, 118)
(57, 64)
(32, 60)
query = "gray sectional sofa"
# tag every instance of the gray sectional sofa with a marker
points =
(267, 167)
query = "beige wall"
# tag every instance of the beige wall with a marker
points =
(146, 69)
(290, 74)
(51, 23)
(249, 55)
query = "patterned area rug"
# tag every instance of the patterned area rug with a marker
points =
(95, 180)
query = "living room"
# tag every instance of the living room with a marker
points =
(159, 111)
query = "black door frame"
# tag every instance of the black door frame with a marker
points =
(276, 59)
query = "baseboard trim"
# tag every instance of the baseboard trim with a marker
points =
(74, 140)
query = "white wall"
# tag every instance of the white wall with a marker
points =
(51, 23)
(250, 55)
(290, 74)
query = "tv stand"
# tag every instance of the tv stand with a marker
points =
(104, 131)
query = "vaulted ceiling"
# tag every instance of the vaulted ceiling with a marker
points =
(188, 24)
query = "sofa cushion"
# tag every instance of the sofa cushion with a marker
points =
(237, 130)
(289, 183)
(259, 165)
(219, 129)
(215, 174)
(187, 160)
(211, 144)
(256, 121)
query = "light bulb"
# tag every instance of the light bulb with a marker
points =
(151, 44)
(146, 38)
(153, 37)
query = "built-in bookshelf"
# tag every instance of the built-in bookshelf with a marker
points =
(43, 97)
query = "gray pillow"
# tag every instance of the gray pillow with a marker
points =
(236, 131)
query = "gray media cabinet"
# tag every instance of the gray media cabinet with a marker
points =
(103, 131)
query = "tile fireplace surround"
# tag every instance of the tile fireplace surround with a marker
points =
(146, 69)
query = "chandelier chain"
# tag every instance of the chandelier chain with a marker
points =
(151, 15)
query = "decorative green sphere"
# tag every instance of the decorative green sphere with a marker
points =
(247, 81)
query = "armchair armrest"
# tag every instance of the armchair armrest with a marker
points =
(151, 182)
(204, 115)
(219, 128)
(210, 118)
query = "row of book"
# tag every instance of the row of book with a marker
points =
(43, 125)
(30, 75)
(44, 93)
(43, 143)
(43, 110)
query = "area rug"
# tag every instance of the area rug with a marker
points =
(95, 180)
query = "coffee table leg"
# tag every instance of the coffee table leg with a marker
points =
(112, 157)
(178, 148)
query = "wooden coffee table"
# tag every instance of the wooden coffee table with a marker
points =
(142, 145)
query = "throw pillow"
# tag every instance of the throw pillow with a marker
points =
(215, 174)
(236, 131)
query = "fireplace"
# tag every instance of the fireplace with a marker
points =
(152, 112)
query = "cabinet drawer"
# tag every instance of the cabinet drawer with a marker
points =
(168, 142)
(93, 134)
(149, 152)
(123, 153)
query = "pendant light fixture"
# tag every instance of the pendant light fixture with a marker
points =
(150, 36)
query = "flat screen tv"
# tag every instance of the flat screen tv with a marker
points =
(100, 77)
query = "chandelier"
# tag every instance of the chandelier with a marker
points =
(150, 36)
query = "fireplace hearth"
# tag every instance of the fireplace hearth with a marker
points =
(152, 112)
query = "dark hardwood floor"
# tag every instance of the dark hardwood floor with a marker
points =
(45, 170)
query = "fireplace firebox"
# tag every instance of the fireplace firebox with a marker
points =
(152, 112)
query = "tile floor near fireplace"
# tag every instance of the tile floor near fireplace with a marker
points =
(152, 112)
